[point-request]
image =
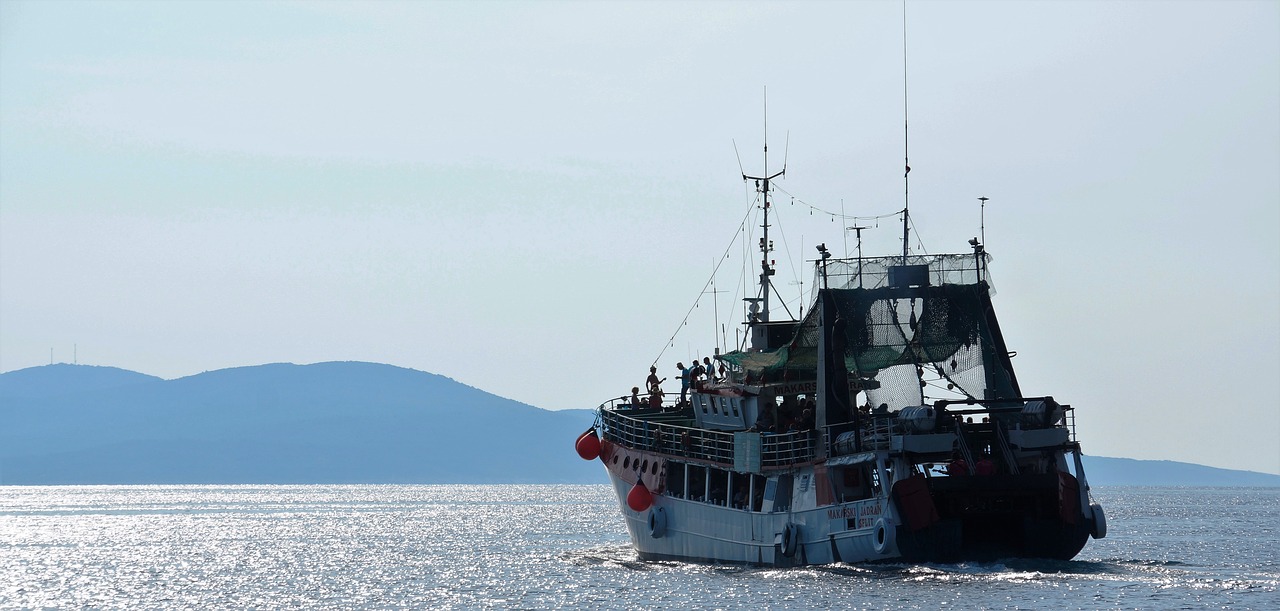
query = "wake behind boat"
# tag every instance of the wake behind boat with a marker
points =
(777, 462)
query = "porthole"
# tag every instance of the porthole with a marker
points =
(645, 467)
(626, 463)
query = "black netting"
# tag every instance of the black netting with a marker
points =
(896, 334)
(899, 387)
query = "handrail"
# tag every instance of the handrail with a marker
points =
(971, 401)
(962, 444)
(652, 430)
(1005, 452)
(1069, 420)
(783, 449)
(776, 450)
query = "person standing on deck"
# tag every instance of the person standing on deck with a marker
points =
(958, 466)
(685, 373)
(985, 465)
(655, 397)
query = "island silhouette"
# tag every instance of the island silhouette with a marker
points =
(331, 423)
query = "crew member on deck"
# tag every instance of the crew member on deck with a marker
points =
(957, 466)
(985, 465)
(806, 420)
(764, 422)
(655, 397)
(635, 397)
(652, 380)
(685, 375)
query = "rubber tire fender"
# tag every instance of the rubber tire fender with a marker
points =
(657, 522)
(790, 539)
(883, 535)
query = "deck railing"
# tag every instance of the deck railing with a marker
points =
(785, 449)
(658, 432)
(670, 432)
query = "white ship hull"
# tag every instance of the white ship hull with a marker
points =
(870, 506)
(683, 529)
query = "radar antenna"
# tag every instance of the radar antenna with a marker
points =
(760, 310)
(857, 229)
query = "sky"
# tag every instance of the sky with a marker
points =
(540, 199)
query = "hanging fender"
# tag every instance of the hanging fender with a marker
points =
(790, 539)
(1099, 521)
(883, 536)
(657, 522)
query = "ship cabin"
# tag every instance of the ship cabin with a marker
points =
(843, 391)
(714, 451)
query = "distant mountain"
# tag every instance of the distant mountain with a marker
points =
(62, 379)
(332, 423)
(1103, 471)
(280, 423)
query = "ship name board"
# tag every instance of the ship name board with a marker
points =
(862, 514)
(807, 388)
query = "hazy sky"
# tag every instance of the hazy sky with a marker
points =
(529, 196)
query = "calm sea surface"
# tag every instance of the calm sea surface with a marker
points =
(538, 547)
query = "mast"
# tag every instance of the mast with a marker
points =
(833, 405)
(906, 157)
(760, 313)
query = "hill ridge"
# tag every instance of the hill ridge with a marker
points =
(333, 422)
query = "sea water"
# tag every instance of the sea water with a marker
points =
(542, 547)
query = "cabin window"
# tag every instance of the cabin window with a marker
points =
(852, 483)
(697, 489)
(675, 480)
(745, 491)
(718, 493)
(778, 490)
(757, 491)
(740, 491)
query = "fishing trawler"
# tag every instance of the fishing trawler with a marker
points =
(817, 444)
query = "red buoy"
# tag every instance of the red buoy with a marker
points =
(639, 499)
(588, 445)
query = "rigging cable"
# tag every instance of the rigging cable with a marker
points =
(919, 240)
(670, 341)
(835, 215)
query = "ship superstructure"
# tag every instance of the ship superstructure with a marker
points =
(818, 445)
